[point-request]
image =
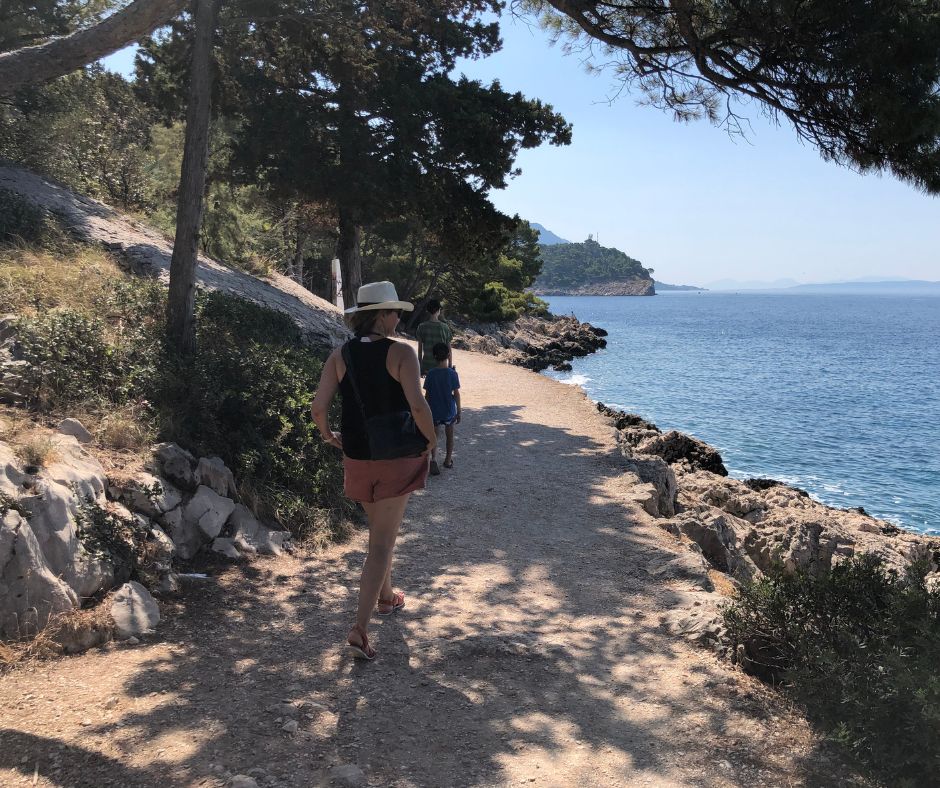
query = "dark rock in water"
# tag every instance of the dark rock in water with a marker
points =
(759, 485)
(563, 367)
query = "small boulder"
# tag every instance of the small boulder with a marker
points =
(348, 775)
(133, 610)
(209, 511)
(243, 781)
(76, 429)
(176, 464)
(212, 472)
(226, 547)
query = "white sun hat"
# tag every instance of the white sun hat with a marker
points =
(378, 295)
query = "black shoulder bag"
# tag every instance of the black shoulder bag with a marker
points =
(391, 435)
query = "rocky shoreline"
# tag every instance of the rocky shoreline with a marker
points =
(745, 528)
(620, 287)
(535, 343)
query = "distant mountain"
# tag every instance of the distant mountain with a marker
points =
(734, 284)
(663, 287)
(546, 236)
(860, 287)
(590, 269)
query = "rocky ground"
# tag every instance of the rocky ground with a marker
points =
(748, 527)
(540, 645)
(534, 343)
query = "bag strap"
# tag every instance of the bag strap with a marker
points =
(346, 353)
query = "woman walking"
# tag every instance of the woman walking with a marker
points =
(375, 376)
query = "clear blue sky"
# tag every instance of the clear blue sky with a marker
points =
(688, 200)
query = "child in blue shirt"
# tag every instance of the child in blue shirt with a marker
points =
(442, 391)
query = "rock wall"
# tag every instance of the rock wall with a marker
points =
(535, 343)
(51, 555)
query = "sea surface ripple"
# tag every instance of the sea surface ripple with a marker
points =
(836, 394)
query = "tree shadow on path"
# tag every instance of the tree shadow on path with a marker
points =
(530, 652)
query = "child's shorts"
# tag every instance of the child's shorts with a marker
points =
(369, 481)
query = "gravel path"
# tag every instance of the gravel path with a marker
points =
(531, 650)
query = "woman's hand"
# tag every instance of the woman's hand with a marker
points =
(333, 439)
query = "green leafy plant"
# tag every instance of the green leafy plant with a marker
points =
(246, 397)
(111, 537)
(858, 647)
(497, 303)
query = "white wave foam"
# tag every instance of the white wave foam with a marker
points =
(575, 380)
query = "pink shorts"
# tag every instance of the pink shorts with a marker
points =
(375, 480)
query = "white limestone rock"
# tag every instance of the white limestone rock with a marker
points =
(226, 547)
(76, 429)
(209, 511)
(248, 533)
(176, 464)
(132, 493)
(133, 610)
(29, 591)
(212, 472)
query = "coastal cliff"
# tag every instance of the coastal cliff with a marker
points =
(623, 287)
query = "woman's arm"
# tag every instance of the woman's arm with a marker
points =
(405, 369)
(326, 390)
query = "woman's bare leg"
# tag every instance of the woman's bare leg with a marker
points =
(384, 521)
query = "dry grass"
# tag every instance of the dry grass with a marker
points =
(33, 281)
(125, 429)
(70, 632)
(36, 448)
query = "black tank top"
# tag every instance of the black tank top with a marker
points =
(380, 393)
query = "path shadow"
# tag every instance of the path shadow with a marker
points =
(557, 678)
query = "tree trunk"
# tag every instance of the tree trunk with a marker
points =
(299, 241)
(181, 321)
(34, 65)
(347, 250)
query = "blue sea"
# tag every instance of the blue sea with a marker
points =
(837, 394)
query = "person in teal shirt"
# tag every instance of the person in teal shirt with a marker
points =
(431, 332)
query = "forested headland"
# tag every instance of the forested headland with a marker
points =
(588, 268)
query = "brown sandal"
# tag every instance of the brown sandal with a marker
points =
(386, 607)
(361, 650)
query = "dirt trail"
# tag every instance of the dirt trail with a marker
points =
(530, 651)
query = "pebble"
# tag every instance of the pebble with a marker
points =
(132, 641)
(243, 781)
(291, 726)
(348, 775)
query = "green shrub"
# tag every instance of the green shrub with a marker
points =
(107, 357)
(859, 648)
(23, 222)
(497, 304)
(245, 397)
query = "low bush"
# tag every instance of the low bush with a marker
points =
(497, 304)
(245, 397)
(859, 649)
(22, 222)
